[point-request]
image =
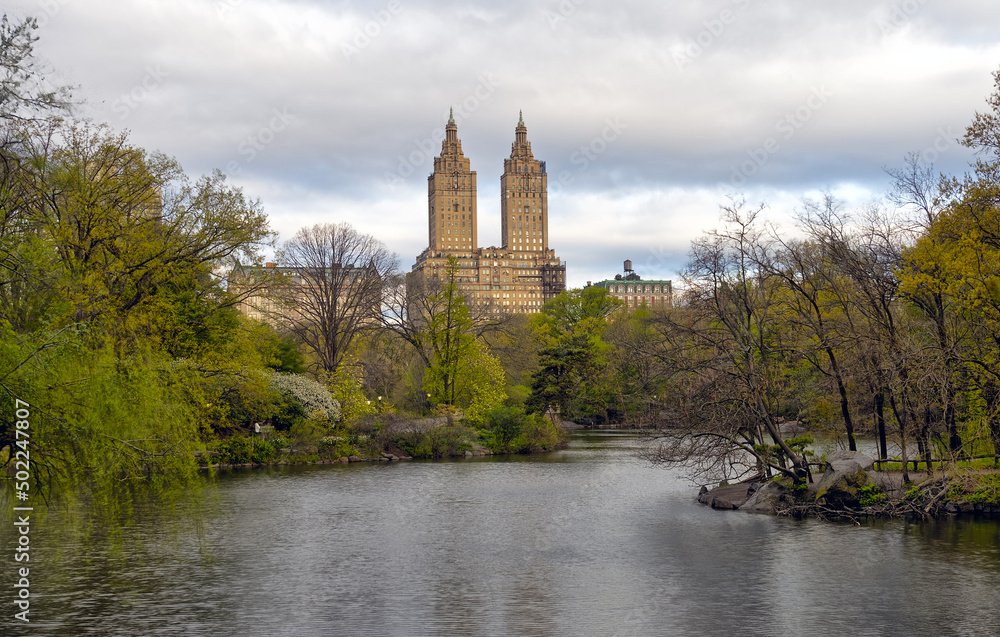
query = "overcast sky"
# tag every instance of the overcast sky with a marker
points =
(649, 114)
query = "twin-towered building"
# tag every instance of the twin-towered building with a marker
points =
(521, 274)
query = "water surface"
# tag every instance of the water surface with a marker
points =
(586, 541)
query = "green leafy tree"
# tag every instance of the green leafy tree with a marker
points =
(449, 339)
(462, 371)
(571, 370)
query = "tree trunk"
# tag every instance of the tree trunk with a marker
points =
(845, 408)
(991, 394)
(901, 419)
(925, 439)
(880, 423)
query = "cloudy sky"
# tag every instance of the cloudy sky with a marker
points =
(649, 114)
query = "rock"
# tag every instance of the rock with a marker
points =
(468, 454)
(341, 460)
(729, 497)
(843, 455)
(767, 498)
(791, 427)
(846, 472)
(355, 459)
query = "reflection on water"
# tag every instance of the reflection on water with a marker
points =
(586, 541)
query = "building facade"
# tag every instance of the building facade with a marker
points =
(631, 289)
(523, 272)
(285, 296)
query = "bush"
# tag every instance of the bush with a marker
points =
(977, 488)
(439, 442)
(245, 450)
(870, 495)
(301, 398)
(510, 430)
(307, 435)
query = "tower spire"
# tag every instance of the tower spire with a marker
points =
(451, 129)
(520, 118)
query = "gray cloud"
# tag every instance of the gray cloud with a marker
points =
(700, 88)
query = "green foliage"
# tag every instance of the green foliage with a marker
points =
(482, 383)
(449, 334)
(571, 376)
(501, 427)
(510, 430)
(336, 447)
(462, 372)
(97, 417)
(345, 387)
(517, 396)
(775, 454)
(871, 495)
(279, 352)
(245, 450)
(975, 487)
(306, 435)
(439, 442)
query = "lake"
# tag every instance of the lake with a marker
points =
(585, 541)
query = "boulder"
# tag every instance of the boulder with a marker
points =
(767, 498)
(846, 472)
(844, 456)
(729, 497)
(791, 428)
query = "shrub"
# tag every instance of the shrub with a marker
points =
(870, 495)
(307, 435)
(510, 430)
(978, 488)
(301, 398)
(438, 442)
(245, 450)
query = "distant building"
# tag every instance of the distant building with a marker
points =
(263, 290)
(280, 295)
(635, 292)
(521, 274)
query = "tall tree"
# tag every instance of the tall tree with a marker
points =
(728, 340)
(572, 362)
(24, 90)
(337, 290)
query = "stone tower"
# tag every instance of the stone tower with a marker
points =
(524, 206)
(521, 275)
(451, 197)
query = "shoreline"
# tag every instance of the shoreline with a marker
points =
(849, 488)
